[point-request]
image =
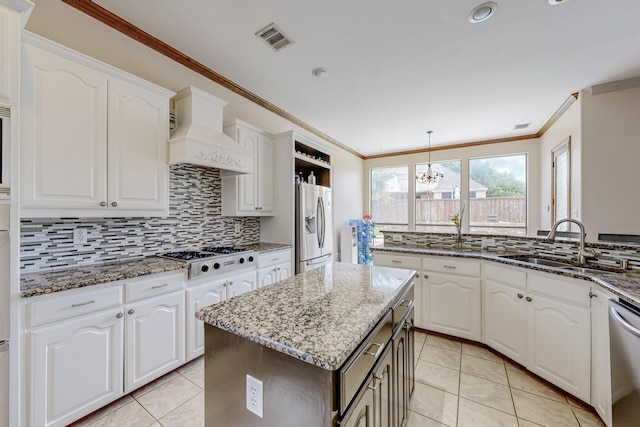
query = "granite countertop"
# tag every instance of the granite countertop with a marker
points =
(39, 283)
(320, 316)
(623, 283)
(265, 247)
(61, 280)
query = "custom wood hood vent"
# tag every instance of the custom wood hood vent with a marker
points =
(198, 138)
(274, 37)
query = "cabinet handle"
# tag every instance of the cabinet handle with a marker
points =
(119, 315)
(160, 286)
(114, 204)
(405, 303)
(375, 385)
(103, 204)
(231, 283)
(426, 276)
(592, 295)
(528, 299)
(520, 296)
(449, 266)
(131, 311)
(380, 347)
(395, 261)
(80, 304)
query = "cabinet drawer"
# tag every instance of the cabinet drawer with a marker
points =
(152, 285)
(66, 304)
(452, 266)
(387, 259)
(573, 292)
(273, 258)
(506, 275)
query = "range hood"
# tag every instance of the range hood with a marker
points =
(198, 138)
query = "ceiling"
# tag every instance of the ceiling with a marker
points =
(400, 68)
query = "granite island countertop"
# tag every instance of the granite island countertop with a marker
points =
(625, 284)
(320, 316)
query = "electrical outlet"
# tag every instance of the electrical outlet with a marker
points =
(79, 236)
(236, 228)
(487, 241)
(397, 237)
(254, 395)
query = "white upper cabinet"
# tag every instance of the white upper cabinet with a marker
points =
(250, 194)
(94, 143)
(11, 14)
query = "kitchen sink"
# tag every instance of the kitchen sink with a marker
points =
(532, 259)
(546, 262)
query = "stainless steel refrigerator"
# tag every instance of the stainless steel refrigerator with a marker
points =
(314, 241)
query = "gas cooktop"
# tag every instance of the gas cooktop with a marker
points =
(214, 260)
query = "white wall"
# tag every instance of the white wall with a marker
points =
(611, 162)
(529, 146)
(59, 22)
(568, 125)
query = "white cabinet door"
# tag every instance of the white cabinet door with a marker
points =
(76, 367)
(264, 175)
(240, 284)
(600, 355)
(199, 296)
(251, 194)
(559, 344)
(155, 338)
(283, 270)
(505, 320)
(453, 305)
(64, 133)
(267, 276)
(138, 133)
(10, 28)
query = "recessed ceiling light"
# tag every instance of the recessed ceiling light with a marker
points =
(482, 12)
(320, 72)
(555, 2)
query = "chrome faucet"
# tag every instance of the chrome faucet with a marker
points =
(583, 253)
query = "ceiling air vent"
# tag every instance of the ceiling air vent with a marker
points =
(274, 37)
(521, 126)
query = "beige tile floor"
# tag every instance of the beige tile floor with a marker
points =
(457, 384)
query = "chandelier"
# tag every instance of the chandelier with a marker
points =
(431, 178)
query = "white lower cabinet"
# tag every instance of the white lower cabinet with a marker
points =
(90, 346)
(545, 326)
(452, 297)
(155, 338)
(273, 267)
(204, 292)
(76, 367)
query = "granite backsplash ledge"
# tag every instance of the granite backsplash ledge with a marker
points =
(195, 220)
(611, 254)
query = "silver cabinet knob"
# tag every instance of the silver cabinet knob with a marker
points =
(426, 276)
(103, 204)
(114, 204)
(528, 299)
(231, 283)
(119, 315)
(592, 295)
(131, 311)
(520, 296)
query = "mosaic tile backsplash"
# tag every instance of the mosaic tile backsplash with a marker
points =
(195, 220)
(610, 253)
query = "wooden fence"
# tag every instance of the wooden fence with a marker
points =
(490, 210)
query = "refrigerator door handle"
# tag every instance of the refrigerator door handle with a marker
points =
(319, 221)
(323, 225)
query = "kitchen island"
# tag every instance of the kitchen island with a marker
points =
(309, 340)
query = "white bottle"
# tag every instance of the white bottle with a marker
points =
(312, 178)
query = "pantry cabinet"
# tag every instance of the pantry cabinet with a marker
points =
(542, 322)
(107, 130)
(89, 346)
(250, 194)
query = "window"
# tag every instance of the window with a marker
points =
(389, 198)
(435, 206)
(498, 195)
(561, 197)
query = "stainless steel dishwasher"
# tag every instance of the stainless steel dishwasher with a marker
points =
(624, 336)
